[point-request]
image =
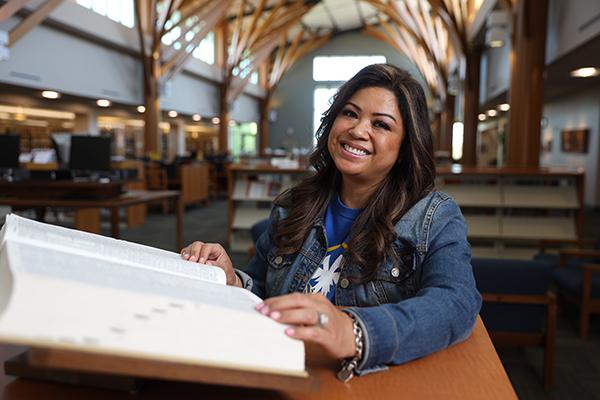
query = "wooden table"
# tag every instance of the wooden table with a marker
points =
(84, 205)
(469, 370)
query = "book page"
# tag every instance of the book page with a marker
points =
(96, 305)
(98, 246)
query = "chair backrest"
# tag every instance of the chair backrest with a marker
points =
(156, 178)
(513, 277)
(258, 228)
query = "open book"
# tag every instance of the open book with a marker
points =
(69, 290)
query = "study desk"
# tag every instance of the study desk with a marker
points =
(469, 370)
(85, 205)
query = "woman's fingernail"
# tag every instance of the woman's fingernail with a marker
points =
(265, 310)
(275, 315)
(202, 260)
(259, 306)
(290, 331)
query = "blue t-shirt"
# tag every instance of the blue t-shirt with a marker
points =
(338, 221)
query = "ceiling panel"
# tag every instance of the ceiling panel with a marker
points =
(318, 17)
(346, 17)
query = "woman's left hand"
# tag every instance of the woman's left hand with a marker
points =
(313, 319)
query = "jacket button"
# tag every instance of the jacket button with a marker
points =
(344, 283)
(278, 260)
(395, 272)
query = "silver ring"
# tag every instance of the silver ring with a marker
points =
(322, 319)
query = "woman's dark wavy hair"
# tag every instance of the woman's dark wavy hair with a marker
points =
(409, 180)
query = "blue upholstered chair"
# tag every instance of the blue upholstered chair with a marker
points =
(255, 231)
(577, 277)
(519, 307)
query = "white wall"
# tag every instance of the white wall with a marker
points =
(85, 54)
(293, 98)
(581, 110)
(47, 58)
(189, 95)
(570, 24)
(495, 72)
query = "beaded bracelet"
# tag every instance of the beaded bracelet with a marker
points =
(349, 365)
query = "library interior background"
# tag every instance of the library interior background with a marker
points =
(220, 100)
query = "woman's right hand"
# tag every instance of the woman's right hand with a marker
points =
(211, 254)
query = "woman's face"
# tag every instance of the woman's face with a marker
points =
(365, 138)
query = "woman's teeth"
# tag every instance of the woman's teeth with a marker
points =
(352, 150)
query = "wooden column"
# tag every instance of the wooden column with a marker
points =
(263, 129)
(222, 56)
(436, 130)
(527, 83)
(447, 119)
(471, 109)
(152, 134)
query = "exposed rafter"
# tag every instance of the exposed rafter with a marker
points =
(255, 36)
(29, 22)
(420, 35)
(10, 8)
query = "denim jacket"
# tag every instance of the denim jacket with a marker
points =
(421, 304)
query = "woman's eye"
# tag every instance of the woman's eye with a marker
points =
(349, 113)
(382, 125)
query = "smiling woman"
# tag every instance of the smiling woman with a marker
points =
(366, 232)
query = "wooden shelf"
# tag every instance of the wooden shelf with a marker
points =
(561, 197)
(257, 199)
(474, 195)
(483, 226)
(529, 205)
(245, 218)
(539, 228)
(520, 253)
(250, 187)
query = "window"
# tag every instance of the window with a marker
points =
(121, 11)
(243, 139)
(341, 68)
(334, 69)
(322, 100)
(205, 51)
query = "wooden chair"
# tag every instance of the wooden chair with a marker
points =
(156, 179)
(519, 309)
(577, 275)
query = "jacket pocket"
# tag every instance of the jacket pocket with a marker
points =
(396, 280)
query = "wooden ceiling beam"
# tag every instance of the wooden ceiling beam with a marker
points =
(192, 9)
(235, 38)
(31, 21)
(249, 30)
(10, 8)
(281, 52)
(211, 18)
(286, 21)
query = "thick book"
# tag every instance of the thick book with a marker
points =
(89, 302)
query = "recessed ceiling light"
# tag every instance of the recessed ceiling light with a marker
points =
(50, 94)
(103, 103)
(141, 109)
(504, 107)
(481, 117)
(196, 117)
(492, 113)
(215, 120)
(585, 72)
(173, 113)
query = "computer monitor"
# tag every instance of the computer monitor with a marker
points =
(10, 147)
(89, 153)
